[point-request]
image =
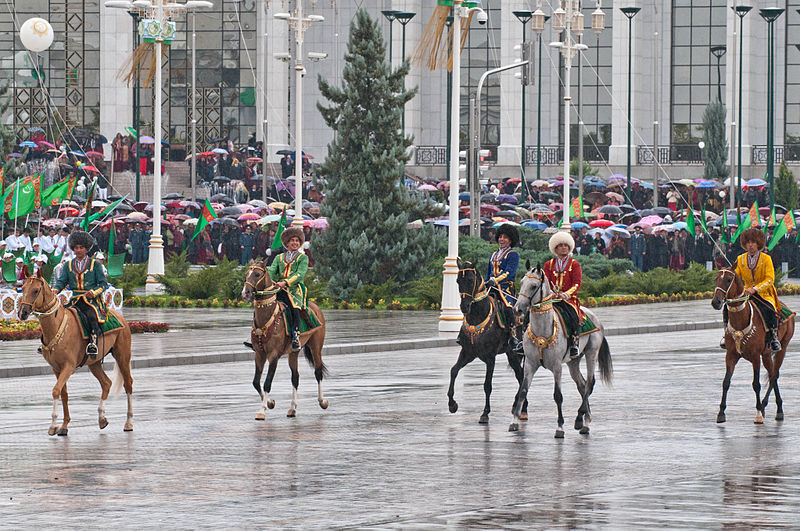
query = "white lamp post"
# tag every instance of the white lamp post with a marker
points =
(451, 317)
(299, 22)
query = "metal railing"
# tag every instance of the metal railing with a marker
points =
(792, 152)
(674, 154)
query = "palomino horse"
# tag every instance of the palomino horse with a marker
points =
(546, 345)
(745, 337)
(270, 340)
(64, 348)
(481, 336)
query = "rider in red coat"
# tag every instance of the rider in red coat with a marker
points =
(565, 275)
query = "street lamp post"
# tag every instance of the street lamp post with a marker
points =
(300, 22)
(449, 76)
(741, 11)
(404, 17)
(718, 51)
(391, 16)
(523, 16)
(771, 14)
(629, 12)
(539, 19)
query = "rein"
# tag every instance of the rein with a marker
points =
(735, 301)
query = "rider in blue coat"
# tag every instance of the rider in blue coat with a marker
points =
(501, 274)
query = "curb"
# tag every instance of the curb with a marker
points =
(341, 348)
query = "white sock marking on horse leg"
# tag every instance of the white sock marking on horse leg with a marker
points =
(294, 398)
(129, 419)
(319, 392)
(101, 410)
(54, 415)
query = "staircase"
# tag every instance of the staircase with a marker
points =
(175, 179)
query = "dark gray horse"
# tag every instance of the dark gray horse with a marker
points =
(546, 345)
(482, 337)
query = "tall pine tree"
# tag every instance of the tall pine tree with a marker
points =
(715, 153)
(367, 206)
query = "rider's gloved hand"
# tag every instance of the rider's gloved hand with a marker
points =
(491, 283)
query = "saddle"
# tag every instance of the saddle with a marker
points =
(586, 326)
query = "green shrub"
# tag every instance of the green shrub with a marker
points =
(133, 276)
(598, 288)
(387, 291)
(225, 280)
(427, 289)
(316, 287)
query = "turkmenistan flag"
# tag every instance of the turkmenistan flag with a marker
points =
(750, 220)
(59, 192)
(107, 210)
(87, 214)
(690, 222)
(576, 208)
(111, 239)
(787, 224)
(25, 197)
(206, 217)
(771, 222)
(276, 241)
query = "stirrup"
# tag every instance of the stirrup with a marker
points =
(91, 350)
(516, 345)
(574, 353)
(295, 340)
(722, 343)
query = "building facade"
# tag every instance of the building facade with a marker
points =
(684, 54)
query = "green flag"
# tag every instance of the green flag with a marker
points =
(107, 210)
(786, 224)
(276, 242)
(111, 239)
(57, 193)
(750, 220)
(690, 222)
(206, 217)
(725, 236)
(25, 198)
(87, 215)
(703, 218)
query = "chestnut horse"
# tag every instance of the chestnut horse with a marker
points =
(745, 337)
(64, 348)
(270, 340)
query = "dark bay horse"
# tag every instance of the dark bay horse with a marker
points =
(745, 337)
(481, 336)
(270, 340)
(64, 348)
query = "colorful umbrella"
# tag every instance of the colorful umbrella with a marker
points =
(601, 223)
(249, 216)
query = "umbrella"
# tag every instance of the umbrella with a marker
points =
(610, 209)
(505, 198)
(131, 131)
(46, 144)
(601, 223)
(615, 196)
(536, 225)
(617, 230)
(550, 195)
(664, 228)
(765, 210)
(537, 183)
(69, 203)
(230, 211)
(221, 179)
(68, 211)
(732, 221)
(190, 221)
(55, 222)
(254, 159)
(706, 184)
(249, 217)
(426, 188)
(577, 225)
(506, 213)
(463, 196)
(14, 156)
(755, 182)
(220, 151)
(227, 221)
(246, 208)
(189, 204)
(258, 203)
(28, 144)
(95, 154)
(488, 197)
(272, 218)
(657, 211)
(174, 204)
(35, 129)
(505, 222)
(90, 169)
(99, 204)
(122, 207)
(679, 225)
(277, 205)
(285, 152)
(650, 220)
(173, 195)
(150, 207)
(147, 140)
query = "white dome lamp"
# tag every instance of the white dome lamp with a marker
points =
(36, 34)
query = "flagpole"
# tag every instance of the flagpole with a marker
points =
(16, 204)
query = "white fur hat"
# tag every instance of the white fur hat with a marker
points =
(561, 237)
(40, 258)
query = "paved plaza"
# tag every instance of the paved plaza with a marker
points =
(387, 454)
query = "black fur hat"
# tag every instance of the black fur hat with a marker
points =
(81, 238)
(510, 231)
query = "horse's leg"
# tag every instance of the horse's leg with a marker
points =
(757, 389)
(60, 390)
(295, 383)
(260, 359)
(515, 360)
(531, 365)
(580, 383)
(314, 345)
(730, 365)
(559, 399)
(463, 359)
(487, 389)
(591, 362)
(273, 365)
(778, 399)
(124, 362)
(105, 385)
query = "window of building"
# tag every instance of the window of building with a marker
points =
(792, 54)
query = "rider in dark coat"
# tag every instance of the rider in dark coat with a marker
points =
(501, 274)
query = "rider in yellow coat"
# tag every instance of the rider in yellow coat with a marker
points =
(756, 270)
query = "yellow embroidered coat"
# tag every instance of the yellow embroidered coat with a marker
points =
(762, 278)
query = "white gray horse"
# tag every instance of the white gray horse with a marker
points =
(546, 345)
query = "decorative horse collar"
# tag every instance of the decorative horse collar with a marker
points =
(542, 342)
(474, 331)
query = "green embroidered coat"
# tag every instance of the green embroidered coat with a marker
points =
(294, 273)
(92, 280)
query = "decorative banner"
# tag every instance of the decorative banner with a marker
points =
(150, 29)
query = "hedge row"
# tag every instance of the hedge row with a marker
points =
(15, 330)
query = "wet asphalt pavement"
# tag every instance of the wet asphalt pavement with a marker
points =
(387, 454)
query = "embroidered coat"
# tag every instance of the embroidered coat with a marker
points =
(294, 273)
(762, 278)
(567, 281)
(503, 270)
(92, 280)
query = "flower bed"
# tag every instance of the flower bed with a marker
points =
(11, 330)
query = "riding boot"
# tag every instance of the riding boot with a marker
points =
(774, 344)
(295, 328)
(573, 346)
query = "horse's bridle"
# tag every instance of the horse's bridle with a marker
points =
(49, 311)
(545, 302)
(729, 302)
(478, 292)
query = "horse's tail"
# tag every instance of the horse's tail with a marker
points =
(116, 382)
(606, 367)
(310, 359)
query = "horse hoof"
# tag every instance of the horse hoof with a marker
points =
(484, 419)
(513, 427)
(51, 431)
(291, 413)
(62, 432)
(579, 424)
(584, 430)
(103, 423)
(128, 427)
(758, 420)
(323, 404)
(271, 404)
(523, 416)
(779, 416)
(261, 416)
(453, 406)
(720, 418)
(559, 434)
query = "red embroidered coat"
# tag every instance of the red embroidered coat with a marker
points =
(568, 281)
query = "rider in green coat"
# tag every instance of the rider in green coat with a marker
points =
(86, 278)
(288, 271)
